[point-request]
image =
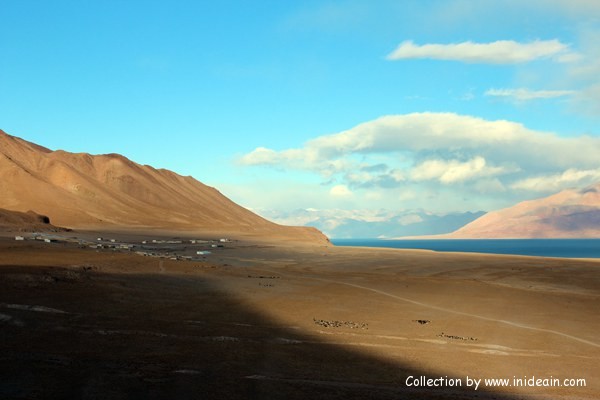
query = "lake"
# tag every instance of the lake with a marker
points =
(569, 248)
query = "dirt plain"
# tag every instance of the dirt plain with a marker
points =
(255, 320)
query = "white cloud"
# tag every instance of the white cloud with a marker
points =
(383, 178)
(418, 134)
(523, 94)
(454, 171)
(499, 52)
(265, 156)
(397, 175)
(359, 177)
(410, 219)
(340, 191)
(555, 182)
(261, 156)
(428, 152)
(331, 214)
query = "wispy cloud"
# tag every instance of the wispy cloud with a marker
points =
(523, 94)
(499, 52)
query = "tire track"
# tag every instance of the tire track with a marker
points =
(448, 310)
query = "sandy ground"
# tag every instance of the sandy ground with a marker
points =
(269, 322)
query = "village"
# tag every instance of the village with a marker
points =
(176, 249)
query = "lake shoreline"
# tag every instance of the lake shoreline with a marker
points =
(561, 248)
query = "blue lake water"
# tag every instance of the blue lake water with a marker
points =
(570, 248)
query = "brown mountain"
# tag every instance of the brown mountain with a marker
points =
(571, 213)
(79, 190)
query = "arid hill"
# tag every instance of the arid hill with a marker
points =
(26, 222)
(79, 190)
(571, 213)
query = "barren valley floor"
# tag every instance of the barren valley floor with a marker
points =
(259, 321)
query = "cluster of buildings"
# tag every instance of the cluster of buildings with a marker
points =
(173, 249)
(41, 238)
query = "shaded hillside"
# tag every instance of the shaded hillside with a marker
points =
(80, 190)
(26, 222)
(571, 213)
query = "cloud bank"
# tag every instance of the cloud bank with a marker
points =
(441, 149)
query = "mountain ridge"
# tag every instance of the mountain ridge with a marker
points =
(85, 191)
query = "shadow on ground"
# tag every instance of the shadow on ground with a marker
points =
(89, 335)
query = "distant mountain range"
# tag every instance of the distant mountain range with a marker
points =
(572, 213)
(79, 190)
(341, 224)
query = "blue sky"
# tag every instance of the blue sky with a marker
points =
(445, 106)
